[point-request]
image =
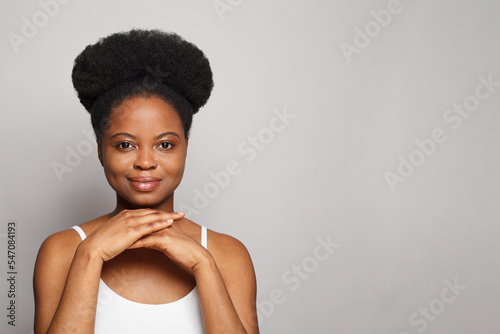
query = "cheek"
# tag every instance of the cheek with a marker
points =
(174, 165)
(115, 166)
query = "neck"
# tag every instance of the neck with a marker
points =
(121, 204)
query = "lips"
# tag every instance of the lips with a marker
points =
(144, 183)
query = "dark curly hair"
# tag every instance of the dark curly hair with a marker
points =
(141, 63)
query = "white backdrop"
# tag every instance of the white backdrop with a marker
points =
(362, 137)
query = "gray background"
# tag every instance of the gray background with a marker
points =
(321, 177)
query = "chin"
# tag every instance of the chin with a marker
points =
(147, 200)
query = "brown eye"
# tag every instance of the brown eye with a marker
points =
(165, 145)
(123, 145)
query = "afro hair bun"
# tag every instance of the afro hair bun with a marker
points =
(145, 56)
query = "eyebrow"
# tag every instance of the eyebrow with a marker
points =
(134, 137)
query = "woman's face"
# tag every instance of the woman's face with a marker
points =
(143, 151)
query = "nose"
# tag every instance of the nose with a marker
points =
(145, 159)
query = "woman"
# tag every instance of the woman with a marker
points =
(143, 268)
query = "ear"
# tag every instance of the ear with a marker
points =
(99, 152)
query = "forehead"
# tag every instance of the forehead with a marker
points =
(144, 114)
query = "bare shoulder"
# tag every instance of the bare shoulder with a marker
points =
(225, 246)
(231, 256)
(237, 271)
(51, 268)
(53, 261)
(59, 246)
(58, 249)
(226, 250)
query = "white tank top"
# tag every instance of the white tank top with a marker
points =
(116, 314)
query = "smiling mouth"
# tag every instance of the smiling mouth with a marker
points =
(144, 183)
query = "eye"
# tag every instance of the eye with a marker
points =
(125, 145)
(166, 145)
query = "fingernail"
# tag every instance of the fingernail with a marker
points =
(170, 220)
(180, 213)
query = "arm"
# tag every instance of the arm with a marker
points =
(66, 278)
(51, 269)
(228, 292)
(79, 292)
(225, 277)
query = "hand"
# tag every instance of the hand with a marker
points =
(175, 244)
(124, 229)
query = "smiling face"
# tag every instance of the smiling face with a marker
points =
(143, 152)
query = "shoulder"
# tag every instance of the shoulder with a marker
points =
(228, 252)
(236, 269)
(61, 241)
(52, 264)
(51, 269)
(225, 246)
(58, 249)
(231, 256)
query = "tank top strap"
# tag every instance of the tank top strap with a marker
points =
(80, 231)
(204, 236)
